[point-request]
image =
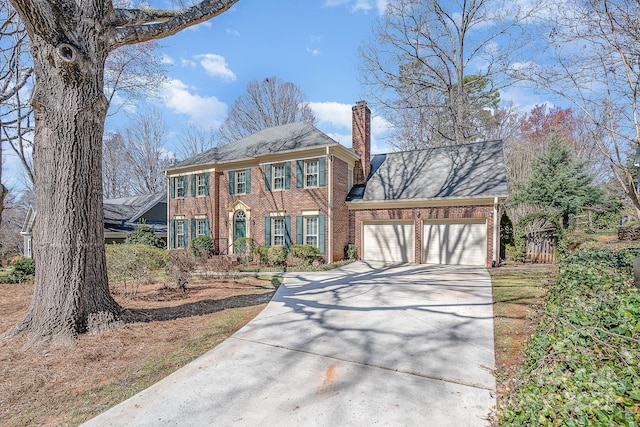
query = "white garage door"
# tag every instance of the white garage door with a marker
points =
(389, 241)
(455, 243)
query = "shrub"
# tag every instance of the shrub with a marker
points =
(350, 251)
(179, 268)
(22, 268)
(263, 254)
(144, 235)
(584, 356)
(243, 249)
(133, 264)
(202, 247)
(304, 254)
(277, 255)
(514, 253)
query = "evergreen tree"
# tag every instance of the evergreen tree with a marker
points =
(560, 181)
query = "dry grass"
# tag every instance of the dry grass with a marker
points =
(66, 385)
(518, 297)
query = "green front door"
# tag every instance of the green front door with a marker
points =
(239, 226)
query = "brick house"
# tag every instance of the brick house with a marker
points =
(294, 184)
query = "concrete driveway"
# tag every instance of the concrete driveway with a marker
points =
(367, 344)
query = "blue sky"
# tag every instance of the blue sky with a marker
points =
(312, 43)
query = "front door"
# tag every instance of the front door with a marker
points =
(239, 226)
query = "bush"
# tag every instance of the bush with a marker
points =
(243, 249)
(22, 269)
(583, 363)
(133, 264)
(277, 255)
(514, 253)
(144, 235)
(350, 251)
(202, 247)
(263, 254)
(179, 268)
(304, 254)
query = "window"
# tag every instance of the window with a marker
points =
(311, 173)
(241, 182)
(278, 177)
(201, 228)
(180, 234)
(278, 231)
(181, 190)
(201, 185)
(311, 231)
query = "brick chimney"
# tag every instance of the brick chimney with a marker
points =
(361, 138)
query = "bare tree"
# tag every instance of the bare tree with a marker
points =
(116, 175)
(592, 61)
(144, 154)
(70, 42)
(266, 103)
(15, 76)
(443, 62)
(195, 140)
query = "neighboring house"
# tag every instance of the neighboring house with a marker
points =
(121, 217)
(294, 184)
(125, 214)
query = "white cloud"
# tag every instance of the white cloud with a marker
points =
(208, 112)
(233, 32)
(314, 52)
(360, 5)
(187, 63)
(334, 114)
(166, 59)
(216, 66)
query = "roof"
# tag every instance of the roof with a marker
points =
(130, 209)
(289, 137)
(470, 170)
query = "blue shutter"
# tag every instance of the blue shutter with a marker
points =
(287, 231)
(248, 180)
(206, 183)
(322, 171)
(172, 234)
(267, 177)
(232, 184)
(172, 187)
(287, 175)
(185, 182)
(299, 229)
(267, 231)
(185, 239)
(299, 174)
(193, 228)
(321, 234)
(193, 185)
(207, 231)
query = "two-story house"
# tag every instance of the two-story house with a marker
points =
(294, 184)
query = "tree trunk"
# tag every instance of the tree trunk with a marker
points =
(71, 292)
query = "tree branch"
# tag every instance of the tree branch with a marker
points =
(129, 17)
(184, 18)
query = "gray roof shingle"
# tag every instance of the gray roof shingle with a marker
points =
(470, 170)
(289, 137)
(130, 209)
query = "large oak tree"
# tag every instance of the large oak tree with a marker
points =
(70, 41)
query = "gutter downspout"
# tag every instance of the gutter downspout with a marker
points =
(329, 230)
(496, 233)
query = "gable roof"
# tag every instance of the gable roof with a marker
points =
(470, 170)
(130, 209)
(289, 137)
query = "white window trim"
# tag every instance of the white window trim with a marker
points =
(200, 222)
(307, 174)
(180, 186)
(306, 234)
(273, 230)
(242, 173)
(273, 176)
(201, 184)
(179, 238)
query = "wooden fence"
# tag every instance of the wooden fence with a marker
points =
(541, 247)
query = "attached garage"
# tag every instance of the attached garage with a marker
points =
(460, 243)
(390, 241)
